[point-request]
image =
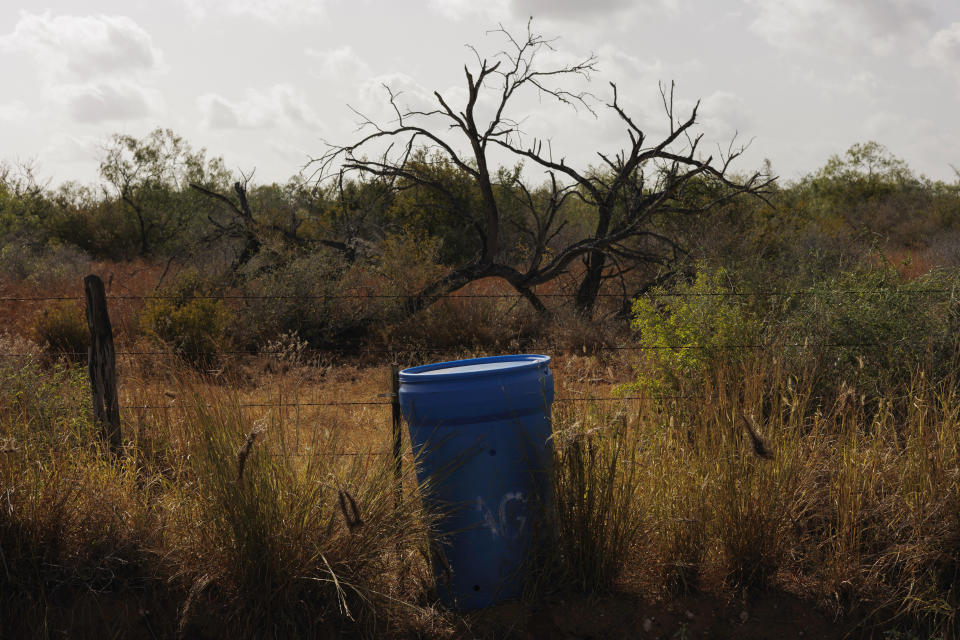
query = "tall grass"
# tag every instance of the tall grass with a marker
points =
(741, 482)
(206, 510)
(599, 457)
(746, 482)
(858, 504)
(73, 521)
(277, 543)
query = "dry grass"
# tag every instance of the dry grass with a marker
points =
(599, 514)
(225, 516)
(208, 507)
(859, 507)
(272, 547)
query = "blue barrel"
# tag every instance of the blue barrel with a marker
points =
(480, 430)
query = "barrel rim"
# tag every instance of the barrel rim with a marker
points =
(425, 372)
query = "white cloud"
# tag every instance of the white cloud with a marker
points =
(861, 85)
(109, 100)
(492, 10)
(76, 48)
(929, 146)
(639, 84)
(73, 149)
(943, 50)
(342, 63)
(637, 81)
(292, 154)
(374, 100)
(273, 11)
(14, 112)
(617, 63)
(576, 9)
(899, 129)
(218, 113)
(863, 82)
(280, 105)
(94, 68)
(562, 10)
(723, 115)
(840, 27)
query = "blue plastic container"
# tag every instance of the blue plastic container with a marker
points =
(480, 429)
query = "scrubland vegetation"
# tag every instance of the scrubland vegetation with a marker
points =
(757, 381)
(787, 421)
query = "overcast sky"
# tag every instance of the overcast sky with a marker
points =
(264, 83)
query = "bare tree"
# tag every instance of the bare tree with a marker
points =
(234, 219)
(634, 185)
(241, 224)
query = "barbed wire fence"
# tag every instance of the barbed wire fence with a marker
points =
(456, 296)
(99, 359)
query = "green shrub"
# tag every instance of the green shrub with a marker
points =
(869, 330)
(44, 403)
(296, 292)
(409, 260)
(866, 330)
(62, 329)
(29, 259)
(691, 330)
(76, 521)
(188, 320)
(331, 299)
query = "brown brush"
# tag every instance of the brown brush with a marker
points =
(351, 514)
(760, 446)
(244, 452)
(183, 619)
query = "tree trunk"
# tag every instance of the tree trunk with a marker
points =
(144, 241)
(251, 247)
(491, 240)
(459, 278)
(251, 244)
(589, 288)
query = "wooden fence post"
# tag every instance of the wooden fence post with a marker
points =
(397, 433)
(102, 363)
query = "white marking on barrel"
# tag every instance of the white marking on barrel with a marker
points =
(504, 526)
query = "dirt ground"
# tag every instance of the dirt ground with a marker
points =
(771, 615)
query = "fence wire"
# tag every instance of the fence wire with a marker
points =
(810, 344)
(484, 296)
